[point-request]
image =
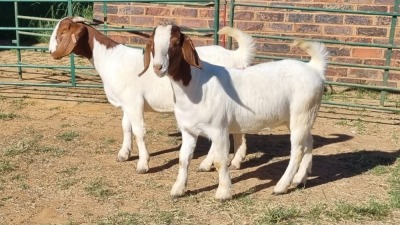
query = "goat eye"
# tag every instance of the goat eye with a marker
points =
(174, 42)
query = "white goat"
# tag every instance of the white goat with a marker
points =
(214, 101)
(118, 65)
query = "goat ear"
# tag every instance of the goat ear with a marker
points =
(69, 41)
(146, 57)
(189, 52)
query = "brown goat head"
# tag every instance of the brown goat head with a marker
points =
(68, 35)
(181, 53)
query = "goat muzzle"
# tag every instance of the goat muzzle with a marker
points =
(157, 69)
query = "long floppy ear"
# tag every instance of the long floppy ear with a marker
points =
(146, 57)
(70, 40)
(189, 52)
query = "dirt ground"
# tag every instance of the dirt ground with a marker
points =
(58, 149)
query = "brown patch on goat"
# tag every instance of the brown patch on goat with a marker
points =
(78, 38)
(182, 55)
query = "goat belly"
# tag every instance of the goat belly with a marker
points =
(251, 125)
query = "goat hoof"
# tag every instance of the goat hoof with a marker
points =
(204, 168)
(142, 166)
(300, 185)
(278, 193)
(177, 196)
(223, 195)
(123, 157)
(200, 169)
(142, 171)
(177, 193)
(234, 167)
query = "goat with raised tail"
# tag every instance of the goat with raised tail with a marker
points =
(118, 65)
(214, 101)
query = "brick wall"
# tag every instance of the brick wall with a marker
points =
(303, 24)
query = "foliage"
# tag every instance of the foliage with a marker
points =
(60, 10)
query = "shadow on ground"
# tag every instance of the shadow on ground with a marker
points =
(326, 168)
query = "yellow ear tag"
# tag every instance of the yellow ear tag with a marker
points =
(73, 38)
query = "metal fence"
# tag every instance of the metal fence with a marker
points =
(389, 48)
(72, 67)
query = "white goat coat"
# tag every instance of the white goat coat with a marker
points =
(247, 100)
(218, 101)
(119, 68)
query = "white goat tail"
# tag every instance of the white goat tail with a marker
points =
(246, 50)
(317, 51)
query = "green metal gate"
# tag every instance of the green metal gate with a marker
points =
(72, 67)
(384, 89)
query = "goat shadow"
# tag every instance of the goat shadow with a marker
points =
(326, 168)
(271, 145)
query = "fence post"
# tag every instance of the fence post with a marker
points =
(105, 17)
(72, 56)
(389, 51)
(216, 22)
(17, 40)
(231, 17)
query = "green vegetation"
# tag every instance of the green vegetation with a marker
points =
(372, 210)
(7, 116)
(380, 170)
(327, 97)
(395, 186)
(362, 92)
(121, 219)
(19, 104)
(68, 178)
(69, 171)
(65, 184)
(358, 124)
(156, 217)
(278, 215)
(21, 180)
(99, 188)
(341, 211)
(68, 135)
(60, 10)
(32, 146)
(6, 167)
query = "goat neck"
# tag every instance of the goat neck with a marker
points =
(87, 46)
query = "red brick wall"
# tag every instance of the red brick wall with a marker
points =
(304, 24)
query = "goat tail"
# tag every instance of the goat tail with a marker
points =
(244, 55)
(318, 52)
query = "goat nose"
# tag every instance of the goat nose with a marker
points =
(157, 66)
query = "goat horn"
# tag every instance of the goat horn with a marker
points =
(77, 19)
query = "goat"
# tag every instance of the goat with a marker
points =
(117, 65)
(214, 101)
